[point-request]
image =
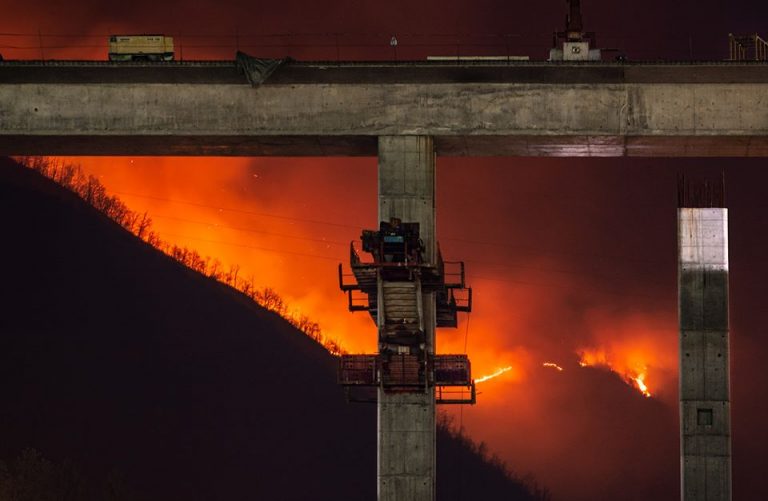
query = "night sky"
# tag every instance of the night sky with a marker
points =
(569, 258)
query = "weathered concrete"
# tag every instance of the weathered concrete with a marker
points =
(526, 111)
(704, 368)
(406, 421)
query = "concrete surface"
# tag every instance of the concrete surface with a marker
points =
(406, 421)
(705, 423)
(326, 109)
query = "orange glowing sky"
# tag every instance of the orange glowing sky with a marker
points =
(288, 223)
(567, 257)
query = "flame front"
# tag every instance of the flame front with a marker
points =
(633, 373)
(552, 365)
(640, 382)
(498, 373)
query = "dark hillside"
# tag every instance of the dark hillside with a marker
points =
(118, 358)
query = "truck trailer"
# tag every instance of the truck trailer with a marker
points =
(140, 48)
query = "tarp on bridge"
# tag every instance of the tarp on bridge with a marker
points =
(256, 70)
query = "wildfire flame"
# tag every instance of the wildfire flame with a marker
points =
(498, 373)
(640, 382)
(553, 365)
(634, 375)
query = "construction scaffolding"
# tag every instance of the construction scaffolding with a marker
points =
(747, 48)
(390, 288)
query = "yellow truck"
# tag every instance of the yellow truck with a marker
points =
(140, 48)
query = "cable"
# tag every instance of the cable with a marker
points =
(329, 258)
(466, 332)
(552, 270)
(550, 251)
(333, 242)
(266, 249)
(250, 230)
(454, 35)
(357, 227)
(480, 277)
(240, 211)
(597, 291)
(461, 407)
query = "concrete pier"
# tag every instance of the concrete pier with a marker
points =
(705, 437)
(406, 421)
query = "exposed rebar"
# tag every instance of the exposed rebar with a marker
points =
(702, 192)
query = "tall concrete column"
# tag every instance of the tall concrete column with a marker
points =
(406, 421)
(705, 423)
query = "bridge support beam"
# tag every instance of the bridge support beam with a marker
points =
(406, 421)
(705, 436)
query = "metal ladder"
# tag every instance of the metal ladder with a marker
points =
(401, 323)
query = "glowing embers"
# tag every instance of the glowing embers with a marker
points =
(633, 373)
(553, 366)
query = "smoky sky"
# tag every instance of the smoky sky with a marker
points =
(641, 30)
(563, 253)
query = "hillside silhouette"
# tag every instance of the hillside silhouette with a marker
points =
(117, 359)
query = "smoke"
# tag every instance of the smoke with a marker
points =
(362, 29)
(531, 256)
(565, 255)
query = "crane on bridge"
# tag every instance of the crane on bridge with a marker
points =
(574, 44)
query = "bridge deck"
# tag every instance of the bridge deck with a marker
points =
(508, 108)
(373, 72)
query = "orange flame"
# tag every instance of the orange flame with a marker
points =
(640, 382)
(634, 373)
(498, 373)
(552, 365)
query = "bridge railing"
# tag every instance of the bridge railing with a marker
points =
(344, 46)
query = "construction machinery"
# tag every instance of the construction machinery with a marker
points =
(747, 48)
(574, 44)
(391, 288)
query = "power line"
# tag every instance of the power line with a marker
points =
(329, 258)
(357, 228)
(216, 225)
(280, 251)
(266, 249)
(333, 242)
(250, 230)
(387, 35)
(621, 293)
(556, 252)
(240, 211)
(517, 282)
(552, 270)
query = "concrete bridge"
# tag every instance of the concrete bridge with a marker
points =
(340, 109)
(407, 113)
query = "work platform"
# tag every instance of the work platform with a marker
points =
(483, 108)
(444, 279)
(396, 283)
